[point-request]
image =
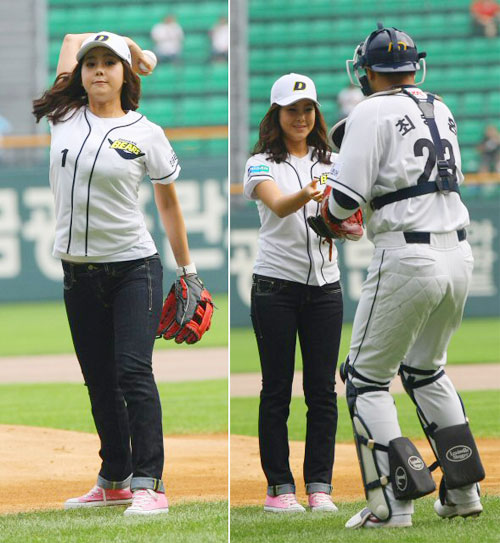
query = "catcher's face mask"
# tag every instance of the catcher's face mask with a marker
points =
(386, 50)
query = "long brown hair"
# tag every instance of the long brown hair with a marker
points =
(271, 139)
(67, 94)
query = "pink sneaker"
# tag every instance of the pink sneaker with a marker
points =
(100, 497)
(147, 502)
(284, 503)
(321, 501)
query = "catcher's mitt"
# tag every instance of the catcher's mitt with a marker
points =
(187, 311)
(327, 227)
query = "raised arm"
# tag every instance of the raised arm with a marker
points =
(70, 47)
(72, 43)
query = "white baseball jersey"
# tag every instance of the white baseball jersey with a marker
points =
(387, 146)
(414, 294)
(96, 166)
(288, 248)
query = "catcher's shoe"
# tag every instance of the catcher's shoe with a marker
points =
(147, 502)
(101, 497)
(366, 519)
(322, 502)
(284, 503)
(460, 510)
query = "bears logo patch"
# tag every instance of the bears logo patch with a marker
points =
(126, 149)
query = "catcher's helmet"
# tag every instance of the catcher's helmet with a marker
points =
(386, 50)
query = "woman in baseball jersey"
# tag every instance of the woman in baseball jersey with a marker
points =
(295, 291)
(101, 148)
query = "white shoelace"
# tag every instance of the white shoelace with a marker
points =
(143, 497)
(96, 491)
(289, 499)
(322, 499)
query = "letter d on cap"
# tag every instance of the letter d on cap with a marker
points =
(299, 85)
(101, 37)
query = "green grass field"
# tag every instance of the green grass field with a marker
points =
(196, 407)
(477, 341)
(42, 328)
(483, 410)
(185, 523)
(252, 525)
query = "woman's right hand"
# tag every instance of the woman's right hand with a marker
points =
(312, 192)
(138, 58)
(284, 204)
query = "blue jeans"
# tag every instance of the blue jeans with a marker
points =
(282, 310)
(113, 311)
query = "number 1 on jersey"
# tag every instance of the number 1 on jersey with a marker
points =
(64, 153)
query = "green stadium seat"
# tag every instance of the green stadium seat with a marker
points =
(452, 100)
(330, 112)
(196, 48)
(470, 132)
(193, 78)
(162, 112)
(344, 31)
(474, 103)
(216, 110)
(260, 86)
(493, 103)
(257, 112)
(470, 163)
(217, 77)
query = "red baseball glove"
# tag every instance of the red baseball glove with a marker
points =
(327, 227)
(187, 311)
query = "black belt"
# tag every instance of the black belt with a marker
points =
(425, 237)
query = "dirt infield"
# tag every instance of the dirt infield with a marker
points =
(42, 467)
(464, 377)
(169, 365)
(248, 485)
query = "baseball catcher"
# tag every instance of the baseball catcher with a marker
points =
(187, 311)
(400, 160)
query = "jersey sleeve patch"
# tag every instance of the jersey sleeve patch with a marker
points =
(260, 169)
(335, 170)
(161, 161)
(255, 173)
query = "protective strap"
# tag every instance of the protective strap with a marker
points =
(446, 181)
(371, 444)
(411, 383)
(383, 481)
(364, 390)
(434, 465)
(415, 371)
(409, 192)
(350, 369)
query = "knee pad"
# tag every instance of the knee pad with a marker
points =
(458, 456)
(454, 446)
(409, 475)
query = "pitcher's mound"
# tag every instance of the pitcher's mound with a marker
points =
(41, 467)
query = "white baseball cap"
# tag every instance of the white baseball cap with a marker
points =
(111, 41)
(291, 88)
